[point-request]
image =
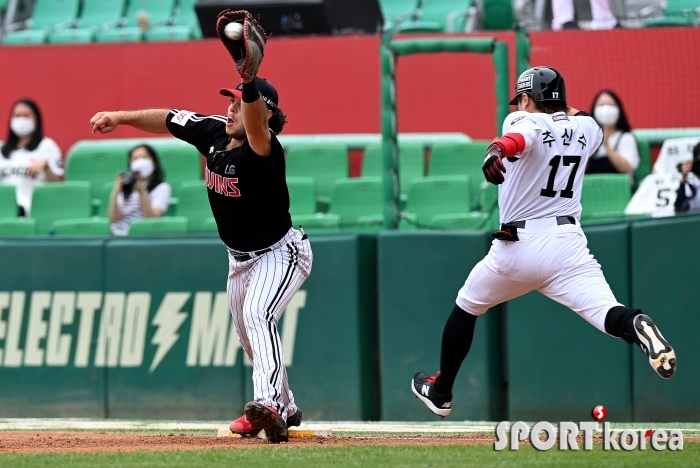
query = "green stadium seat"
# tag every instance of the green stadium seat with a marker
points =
(80, 227)
(460, 221)
(494, 223)
(8, 201)
(411, 163)
(186, 25)
(17, 227)
(318, 223)
(158, 226)
(438, 16)
(97, 163)
(48, 15)
(436, 195)
(97, 15)
(181, 162)
(676, 13)
(644, 168)
(460, 159)
(209, 225)
(396, 11)
(605, 195)
(489, 197)
(325, 163)
(497, 15)
(359, 203)
(59, 200)
(194, 204)
(159, 14)
(100, 205)
(302, 195)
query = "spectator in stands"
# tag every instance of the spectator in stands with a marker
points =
(563, 15)
(139, 192)
(28, 157)
(619, 153)
(686, 195)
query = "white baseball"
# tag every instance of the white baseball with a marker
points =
(234, 31)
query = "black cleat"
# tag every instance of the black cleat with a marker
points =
(265, 417)
(423, 386)
(661, 355)
(295, 419)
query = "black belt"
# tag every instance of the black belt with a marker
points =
(560, 220)
(509, 231)
(244, 257)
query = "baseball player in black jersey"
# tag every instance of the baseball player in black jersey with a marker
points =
(245, 177)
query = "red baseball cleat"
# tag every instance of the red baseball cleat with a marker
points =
(243, 427)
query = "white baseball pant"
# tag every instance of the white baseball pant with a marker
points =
(259, 290)
(549, 258)
(563, 12)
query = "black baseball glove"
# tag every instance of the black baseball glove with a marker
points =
(248, 51)
(493, 165)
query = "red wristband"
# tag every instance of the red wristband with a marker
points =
(511, 144)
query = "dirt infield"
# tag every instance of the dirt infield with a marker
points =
(82, 442)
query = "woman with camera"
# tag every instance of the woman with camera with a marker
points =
(686, 195)
(139, 192)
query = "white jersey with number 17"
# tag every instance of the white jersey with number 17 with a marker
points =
(546, 179)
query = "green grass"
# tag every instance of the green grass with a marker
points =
(362, 456)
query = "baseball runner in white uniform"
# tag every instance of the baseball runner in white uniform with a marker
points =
(538, 164)
(269, 260)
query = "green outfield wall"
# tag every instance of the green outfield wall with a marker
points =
(140, 328)
(559, 366)
(665, 262)
(419, 276)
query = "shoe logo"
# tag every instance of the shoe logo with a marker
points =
(425, 390)
(447, 405)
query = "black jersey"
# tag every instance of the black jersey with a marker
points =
(248, 193)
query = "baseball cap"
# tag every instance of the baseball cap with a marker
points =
(267, 91)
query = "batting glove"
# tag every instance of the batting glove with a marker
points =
(493, 165)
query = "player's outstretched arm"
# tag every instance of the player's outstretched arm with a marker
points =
(148, 120)
(255, 120)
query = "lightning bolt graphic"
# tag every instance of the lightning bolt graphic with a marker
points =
(168, 319)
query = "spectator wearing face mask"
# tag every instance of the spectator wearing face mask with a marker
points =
(619, 152)
(139, 192)
(28, 157)
(687, 198)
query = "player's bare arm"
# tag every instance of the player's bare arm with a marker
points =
(255, 120)
(147, 120)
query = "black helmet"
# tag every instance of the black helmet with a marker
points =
(542, 83)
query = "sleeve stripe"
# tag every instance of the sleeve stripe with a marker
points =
(220, 118)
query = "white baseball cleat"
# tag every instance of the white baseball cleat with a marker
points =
(661, 355)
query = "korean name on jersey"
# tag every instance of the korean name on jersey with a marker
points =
(546, 179)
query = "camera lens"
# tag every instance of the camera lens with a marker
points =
(128, 181)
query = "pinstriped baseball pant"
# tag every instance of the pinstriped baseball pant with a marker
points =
(259, 290)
